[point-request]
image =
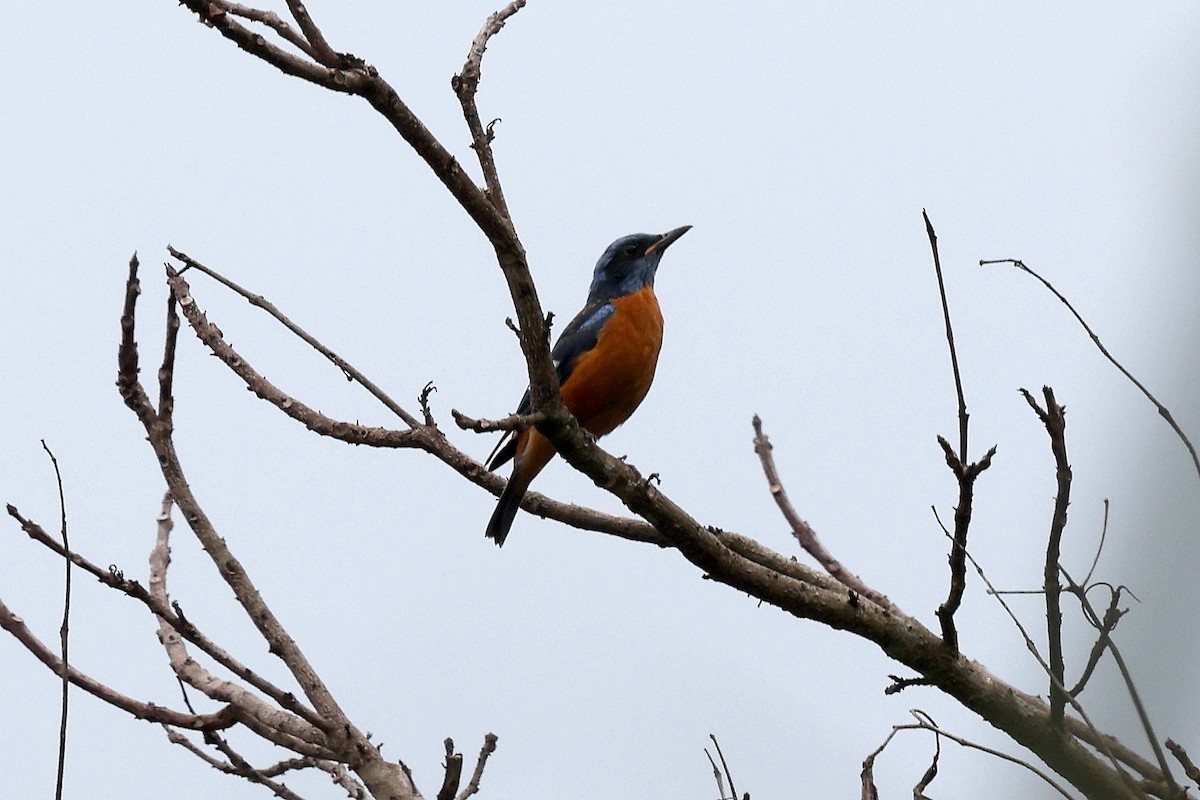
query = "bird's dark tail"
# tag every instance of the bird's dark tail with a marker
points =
(506, 509)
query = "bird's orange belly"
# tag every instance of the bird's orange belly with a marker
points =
(610, 381)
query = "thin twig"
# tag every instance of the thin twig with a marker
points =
(1098, 740)
(804, 533)
(270, 723)
(466, 85)
(15, 625)
(925, 722)
(724, 766)
(64, 630)
(899, 684)
(717, 776)
(342, 364)
(964, 471)
(932, 771)
(235, 765)
(1106, 625)
(963, 416)
(869, 792)
(127, 352)
(1054, 418)
(423, 402)
(1099, 547)
(1163, 411)
(115, 579)
(1127, 676)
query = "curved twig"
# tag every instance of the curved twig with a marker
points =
(1162, 410)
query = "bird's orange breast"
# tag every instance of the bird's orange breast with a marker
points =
(610, 381)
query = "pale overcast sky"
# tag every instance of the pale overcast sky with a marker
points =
(801, 141)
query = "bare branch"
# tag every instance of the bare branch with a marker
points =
(1181, 755)
(281, 643)
(804, 533)
(275, 23)
(869, 792)
(964, 472)
(1127, 677)
(380, 776)
(424, 438)
(211, 335)
(1110, 747)
(724, 766)
(115, 579)
(1163, 411)
(1112, 616)
(717, 776)
(259, 301)
(489, 747)
(270, 723)
(1054, 418)
(15, 625)
(925, 722)
(514, 422)
(363, 80)
(320, 48)
(963, 416)
(453, 776)
(235, 765)
(465, 85)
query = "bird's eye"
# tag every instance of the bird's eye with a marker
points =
(631, 251)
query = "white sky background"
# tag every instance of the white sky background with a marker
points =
(802, 143)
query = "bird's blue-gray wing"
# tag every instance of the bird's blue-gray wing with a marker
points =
(577, 338)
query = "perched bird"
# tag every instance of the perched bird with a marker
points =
(605, 359)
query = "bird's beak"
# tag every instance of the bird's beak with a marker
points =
(666, 239)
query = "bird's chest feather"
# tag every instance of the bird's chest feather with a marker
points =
(611, 380)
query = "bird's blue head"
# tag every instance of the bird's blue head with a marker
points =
(629, 263)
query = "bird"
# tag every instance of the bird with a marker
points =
(605, 360)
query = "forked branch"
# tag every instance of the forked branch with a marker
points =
(964, 471)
